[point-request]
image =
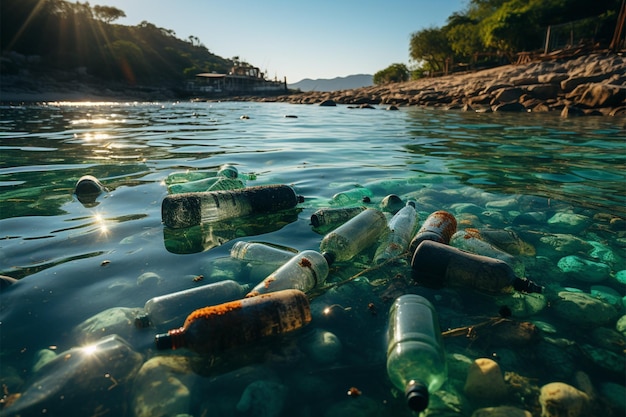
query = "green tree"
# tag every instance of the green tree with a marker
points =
(395, 73)
(430, 46)
(108, 14)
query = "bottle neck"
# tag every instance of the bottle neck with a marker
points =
(526, 285)
(173, 339)
(330, 258)
(416, 396)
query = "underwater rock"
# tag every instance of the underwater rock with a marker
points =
(503, 411)
(466, 208)
(522, 304)
(569, 222)
(608, 295)
(485, 380)
(263, 399)
(603, 253)
(557, 361)
(510, 203)
(607, 339)
(558, 399)
(116, 320)
(161, 387)
(530, 218)
(620, 276)
(565, 243)
(583, 309)
(620, 326)
(615, 395)
(605, 359)
(583, 269)
(322, 346)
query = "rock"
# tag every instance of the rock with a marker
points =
(524, 305)
(263, 399)
(503, 411)
(598, 95)
(583, 269)
(558, 399)
(608, 295)
(572, 111)
(509, 107)
(565, 243)
(615, 394)
(485, 380)
(328, 103)
(620, 326)
(583, 309)
(322, 346)
(568, 222)
(604, 359)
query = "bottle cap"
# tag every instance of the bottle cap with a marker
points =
(526, 285)
(142, 321)
(330, 258)
(300, 199)
(163, 341)
(315, 219)
(416, 396)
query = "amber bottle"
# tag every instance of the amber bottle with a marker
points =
(439, 227)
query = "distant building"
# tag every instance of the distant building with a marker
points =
(242, 79)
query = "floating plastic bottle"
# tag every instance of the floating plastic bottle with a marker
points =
(416, 362)
(437, 265)
(190, 209)
(471, 241)
(225, 179)
(439, 227)
(257, 252)
(392, 204)
(358, 233)
(401, 228)
(330, 217)
(225, 326)
(303, 272)
(87, 189)
(358, 195)
(175, 307)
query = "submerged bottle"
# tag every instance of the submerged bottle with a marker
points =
(401, 228)
(439, 227)
(190, 209)
(343, 243)
(258, 252)
(303, 272)
(225, 326)
(174, 307)
(437, 265)
(225, 179)
(358, 195)
(334, 216)
(416, 362)
(471, 241)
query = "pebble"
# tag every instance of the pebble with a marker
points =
(558, 399)
(620, 326)
(485, 380)
(263, 398)
(620, 276)
(322, 346)
(583, 309)
(568, 222)
(583, 269)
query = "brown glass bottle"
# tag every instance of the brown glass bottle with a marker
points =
(438, 227)
(225, 326)
(438, 265)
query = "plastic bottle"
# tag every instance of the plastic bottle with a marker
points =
(303, 272)
(438, 226)
(352, 237)
(437, 265)
(471, 241)
(334, 216)
(190, 209)
(401, 228)
(174, 307)
(257, 252)
(87, 189)
(358, 195)
(225, 326)
(225, 179)
(416, 362)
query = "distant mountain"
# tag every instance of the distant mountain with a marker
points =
(334, 84)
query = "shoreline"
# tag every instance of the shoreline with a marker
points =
(589, 84)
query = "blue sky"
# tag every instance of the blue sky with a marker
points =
(294, 38)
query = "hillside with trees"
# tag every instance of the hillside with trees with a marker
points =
(56, 37)
(493, 32)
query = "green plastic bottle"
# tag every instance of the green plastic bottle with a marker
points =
(416, 362)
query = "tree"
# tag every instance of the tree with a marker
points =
(108, 14)
(395, 73)
(430, 46)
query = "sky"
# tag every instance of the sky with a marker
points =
(297, 39)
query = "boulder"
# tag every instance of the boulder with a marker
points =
(558, 399)
(485, 380)
(598, 95)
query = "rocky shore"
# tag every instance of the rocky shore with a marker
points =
(591, 84)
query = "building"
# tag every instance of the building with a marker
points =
(243, 79)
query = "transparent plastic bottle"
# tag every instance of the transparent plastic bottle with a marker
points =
(438, 226)
(225, 326)
(303, 272)
(358, 195)
(358, 233)
(437, 265)
(471, 241)
(401, 228)
(174, 307)
(225, 179)
(258, 252)
(334, 216)
(416, 362)
(190, 209)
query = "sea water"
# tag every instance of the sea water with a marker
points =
(493, 171)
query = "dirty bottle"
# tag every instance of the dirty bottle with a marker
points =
(358, 233)
(401, 228)
(190, 209)
(174, 307)
(358, 195)
(257, 252)
(437, 265)
(303, 272)
(225, 179)
(225, 326)
(416, 362)
(334, 216)
(470, 240)
(438, 226)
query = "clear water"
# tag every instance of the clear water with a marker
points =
(75, 261)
